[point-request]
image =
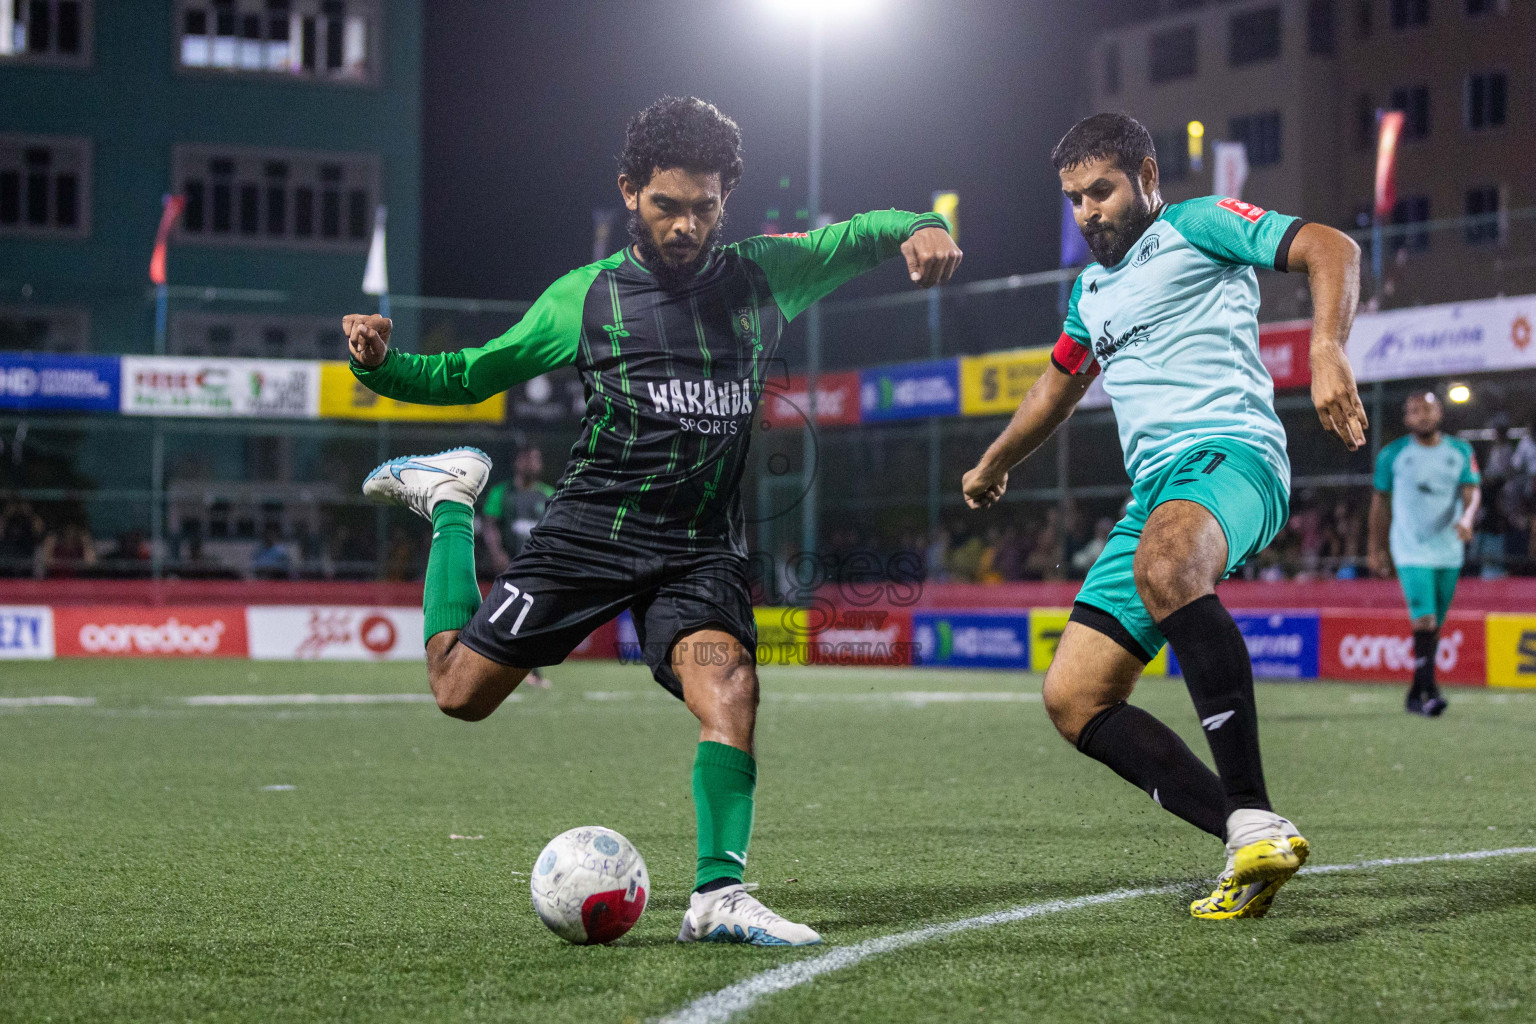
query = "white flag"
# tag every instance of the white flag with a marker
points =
(1231, 169)
(376, 277)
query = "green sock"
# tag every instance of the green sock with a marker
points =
(723, 780)
(451, 594)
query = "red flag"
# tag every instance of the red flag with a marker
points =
(168, 214)
(1386, 163)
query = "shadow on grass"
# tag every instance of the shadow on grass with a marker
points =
(1428, 903)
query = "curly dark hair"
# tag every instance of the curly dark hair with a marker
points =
(1118, 137)
(682, 132)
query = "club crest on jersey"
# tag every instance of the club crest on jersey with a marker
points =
(745, 326)
(1247, 211)
(1147, 251)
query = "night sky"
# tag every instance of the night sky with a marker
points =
(525, 106)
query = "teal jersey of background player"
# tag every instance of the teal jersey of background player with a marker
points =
(1425, 482)
(1174, 329)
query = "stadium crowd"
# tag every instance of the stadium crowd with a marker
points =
(1324, 537)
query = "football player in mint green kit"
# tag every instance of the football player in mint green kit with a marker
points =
(1427, 493)
(1168, 315)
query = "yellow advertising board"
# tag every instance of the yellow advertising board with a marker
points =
(342, 396)
(1045, 629)
(1511, 650)
(1045, 626)
(781, 636)
(994, 384)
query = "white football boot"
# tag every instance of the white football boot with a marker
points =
(420, 481)
(732, 914)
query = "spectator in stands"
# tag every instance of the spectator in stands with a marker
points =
(1045, 561)
(271, 560)
(399, 557)
(21, 534)
(1523, 461)
(132, 554)
(1341, 541)
(964, 560)
(1084, 557)
(66, 553)
(935, 557)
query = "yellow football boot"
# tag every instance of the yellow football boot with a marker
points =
(1251, 899)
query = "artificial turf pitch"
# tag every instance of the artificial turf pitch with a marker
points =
(150, 872)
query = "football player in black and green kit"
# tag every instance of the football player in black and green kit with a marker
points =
(672, 336)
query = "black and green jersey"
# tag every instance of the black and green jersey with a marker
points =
(672, 378)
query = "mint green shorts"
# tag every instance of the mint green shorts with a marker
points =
(1224, 475)
(1429, 590)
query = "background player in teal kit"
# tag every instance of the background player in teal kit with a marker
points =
(1427, 493)
(1169, 314)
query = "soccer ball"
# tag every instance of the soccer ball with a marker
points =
(589, 885)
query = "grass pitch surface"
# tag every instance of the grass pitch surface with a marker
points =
(151, 872)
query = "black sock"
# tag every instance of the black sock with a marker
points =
(1425, 643)
(719, 883)
(1151, 757)
(1214, 658)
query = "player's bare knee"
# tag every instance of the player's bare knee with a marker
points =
(1166, 584)
(1064, 704)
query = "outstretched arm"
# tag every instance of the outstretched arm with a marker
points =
(1332, 262)
(804, 267)
(1045, 407)
(544, 339)
(1376, 544)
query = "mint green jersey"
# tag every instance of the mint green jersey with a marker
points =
(1425, 482)
(1174, 328)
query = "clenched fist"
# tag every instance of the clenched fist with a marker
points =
(984, 486)
(932, 256)
(367, 338)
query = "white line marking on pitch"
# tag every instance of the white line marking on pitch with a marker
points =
(257, 699)
(911, 698)
(47, 702)
(724, 1004)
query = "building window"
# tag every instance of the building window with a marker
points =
(196, 333)
(45, 31)
(1484, 203)
(45, 186)
(1364, 15)
(1260, 133)
(1412, 210)
(1174, 54)
(1408, 13)
(1365, 122)
(1414, 103)
(1253, 36)
(33, 329)
(317, 40)
(1172, 154)
(1320, 40)
(1111, 69)
(1485, 100)
(263, 197)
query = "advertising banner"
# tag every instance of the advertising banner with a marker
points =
(781, 635)
(259, 388)
(1511, 650)
(67, 383)
(910, 391)
(837, 401)
(1045, 627)
(865, 637)
(971, 639)
(1281, 645)
(602, 642)
(26, 632)
(993, 384)
(123, 631)
(1372, 647)
(1428, 341)
(1286, 350)
(342, 396)
(334, 633)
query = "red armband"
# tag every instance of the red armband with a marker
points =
(1071, 355)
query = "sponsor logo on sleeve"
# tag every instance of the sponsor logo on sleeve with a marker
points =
(1247, 211)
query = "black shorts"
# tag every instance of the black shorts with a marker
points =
(561, 587)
